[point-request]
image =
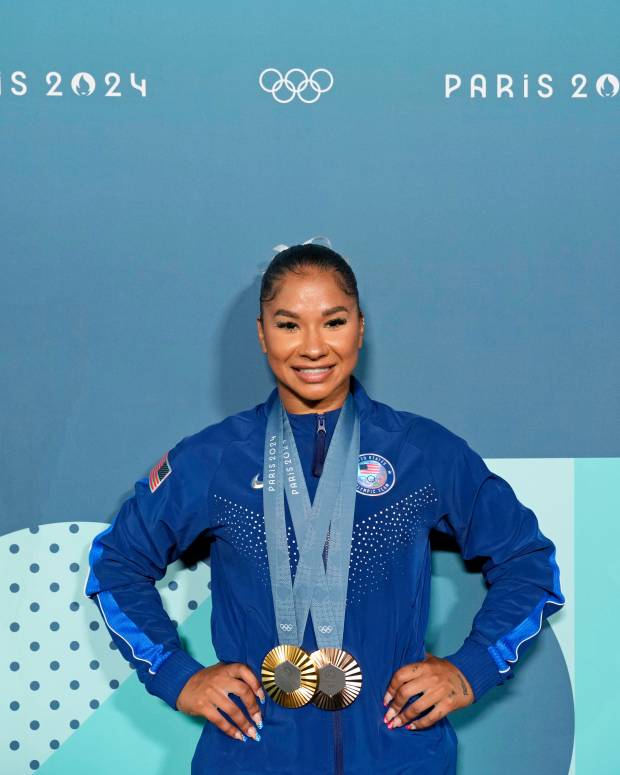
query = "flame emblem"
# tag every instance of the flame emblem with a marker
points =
(83, 84)
(607, 85)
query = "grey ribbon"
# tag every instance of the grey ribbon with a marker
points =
(319, 588)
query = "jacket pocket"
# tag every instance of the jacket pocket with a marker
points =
(409, 642)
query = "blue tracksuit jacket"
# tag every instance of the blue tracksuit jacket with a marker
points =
(414, 475)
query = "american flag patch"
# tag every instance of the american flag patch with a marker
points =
(159, 472)
(371, 468)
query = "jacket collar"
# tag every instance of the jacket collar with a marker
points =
(363, 402)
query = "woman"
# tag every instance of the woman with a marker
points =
(413, 475)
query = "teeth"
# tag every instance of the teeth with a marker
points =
(315, 371)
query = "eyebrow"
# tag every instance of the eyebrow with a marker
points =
(325, 312)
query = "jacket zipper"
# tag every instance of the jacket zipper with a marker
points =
(338, 752)
(319, 445)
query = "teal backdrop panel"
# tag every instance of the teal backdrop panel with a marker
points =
(597, 534)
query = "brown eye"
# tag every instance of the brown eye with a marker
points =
(336, 322)
(289, 325)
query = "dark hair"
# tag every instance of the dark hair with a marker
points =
(300, 257)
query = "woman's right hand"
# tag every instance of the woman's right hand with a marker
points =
(207, 691)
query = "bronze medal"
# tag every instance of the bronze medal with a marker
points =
(289, 675)
(340, 678)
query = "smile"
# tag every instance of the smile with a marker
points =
(313, 373)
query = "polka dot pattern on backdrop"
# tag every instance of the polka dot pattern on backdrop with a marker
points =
(57, 661)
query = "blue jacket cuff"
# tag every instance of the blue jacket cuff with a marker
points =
(172, 676)
(478, 666)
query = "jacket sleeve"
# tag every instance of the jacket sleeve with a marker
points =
(152, 529)
(481, 511)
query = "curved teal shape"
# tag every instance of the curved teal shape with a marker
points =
(133, 731)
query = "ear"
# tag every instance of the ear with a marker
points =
(261, 335)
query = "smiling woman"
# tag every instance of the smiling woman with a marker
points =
(319, 503)
(311, 326)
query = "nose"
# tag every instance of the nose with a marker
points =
(313, 345)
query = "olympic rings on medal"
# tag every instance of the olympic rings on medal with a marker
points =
(295, 89)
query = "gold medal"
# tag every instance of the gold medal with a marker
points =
(340, 678)
(289, 675)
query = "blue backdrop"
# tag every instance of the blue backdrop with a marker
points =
(146, 176)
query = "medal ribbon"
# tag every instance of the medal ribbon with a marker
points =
(317, 587)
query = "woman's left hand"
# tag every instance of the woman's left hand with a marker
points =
(442, 683)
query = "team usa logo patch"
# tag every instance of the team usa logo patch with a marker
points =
(375, 474)
(160, 471)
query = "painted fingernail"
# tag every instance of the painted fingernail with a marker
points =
(397, 722)
(390, 714)
(390, 725)
(240, 736)
(257, 720)
(411, 726)
(387, 699)
(252, 732)
(261, 696)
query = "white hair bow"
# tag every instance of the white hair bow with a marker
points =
(278, 248)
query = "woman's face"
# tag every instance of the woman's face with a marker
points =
(312, 334)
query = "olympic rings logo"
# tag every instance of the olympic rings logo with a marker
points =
(286, 627)
(293, 89)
